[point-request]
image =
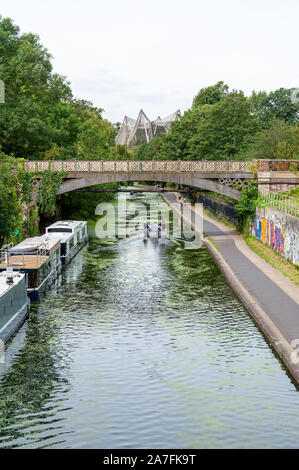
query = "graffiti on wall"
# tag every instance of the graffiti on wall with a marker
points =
(277, 236)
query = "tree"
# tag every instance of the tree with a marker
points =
(174, 145)
(277, 105)
(32, 92)
(150, 151)
(224, 129)
(40, 118)
(211, 94)
(95, 138)
(279, 141)
(121, 152)
(117, 126)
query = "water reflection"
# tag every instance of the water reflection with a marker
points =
(144, 345)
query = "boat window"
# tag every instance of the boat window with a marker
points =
(59, 230)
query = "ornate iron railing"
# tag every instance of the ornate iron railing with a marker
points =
(142, 166)
(165, 166)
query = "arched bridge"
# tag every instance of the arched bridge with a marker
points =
(223, 177)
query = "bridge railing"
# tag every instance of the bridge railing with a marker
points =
(165, 166)
(281, 202)
(142, 166)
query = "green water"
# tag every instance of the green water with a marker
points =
(143, 345)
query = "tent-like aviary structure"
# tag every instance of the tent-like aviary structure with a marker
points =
(164, 123)
(142, 131)
(125, 131)
(135, 132)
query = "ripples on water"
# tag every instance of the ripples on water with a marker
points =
(143, 345)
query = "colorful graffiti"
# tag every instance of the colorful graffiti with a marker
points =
(277, 236)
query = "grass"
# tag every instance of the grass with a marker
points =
(288, 269)
(213, 242)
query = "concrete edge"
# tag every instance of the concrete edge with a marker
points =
(273, 335)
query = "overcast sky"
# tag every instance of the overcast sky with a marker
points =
(156, 54)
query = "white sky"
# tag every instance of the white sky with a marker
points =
(156, 54)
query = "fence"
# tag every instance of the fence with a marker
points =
(287, 204)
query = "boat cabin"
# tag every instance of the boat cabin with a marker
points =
(38, 258)
(73, 236)
(14, 303)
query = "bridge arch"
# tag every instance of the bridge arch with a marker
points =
(73, 182)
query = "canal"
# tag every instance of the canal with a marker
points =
(143, 345)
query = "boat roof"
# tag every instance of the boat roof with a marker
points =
(4, 287)
(45, 239)
(31, 261)
(63, 236)
(73, 224)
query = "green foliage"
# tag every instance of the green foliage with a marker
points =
(279, 141)
(32, 92)
(95, 139)
(223, 125)
(30, 227)
(224, 129)
(40, 119)
(246, 206)
(49, 185)
(81, 206)
(294, 192)
(175, 144)
(10, 209)
(121, 152)
(117, 126)
(149, 151)
(211, 94)
(277, 105)
(218, 131)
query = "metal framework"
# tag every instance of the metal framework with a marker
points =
(135, 132)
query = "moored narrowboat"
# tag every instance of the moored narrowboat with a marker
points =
(38, 258)
(14, 303)
(73, 236)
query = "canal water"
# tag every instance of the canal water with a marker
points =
(143, 345)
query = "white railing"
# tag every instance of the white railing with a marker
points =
(3, 250)
(8, 256)
(283, 203)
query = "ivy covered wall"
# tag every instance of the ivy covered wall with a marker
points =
(23, 197)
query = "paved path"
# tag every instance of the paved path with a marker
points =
(278, 296)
